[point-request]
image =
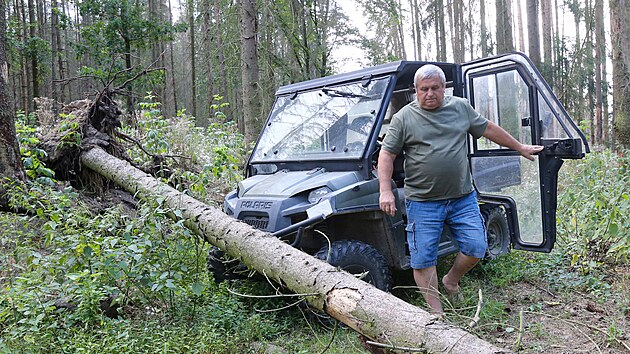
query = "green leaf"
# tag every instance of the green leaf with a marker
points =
(613, 230)
(197, 288)
(87, 251)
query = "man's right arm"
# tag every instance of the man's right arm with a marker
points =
(387, 201)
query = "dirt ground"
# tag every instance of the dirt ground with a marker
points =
(574, 323)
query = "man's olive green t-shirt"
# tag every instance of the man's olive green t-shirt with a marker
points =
(434, 144)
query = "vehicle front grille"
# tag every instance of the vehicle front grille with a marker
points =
(259, 222)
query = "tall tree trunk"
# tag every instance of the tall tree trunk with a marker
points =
(156, 13)
(600, 64)
(64, 57)
(42, 33)
(249, 69)
(547, 35)
(505, 39)
(620, 35)
(400, 30)
(520, 25)
(54, 69)
(128, 66)
(32, 25)
(533, 32)
(416, 14)
(469, 27)
(10, 161)
(377, 315)
(207, 30)
(449, 11)
(171, 90)
(485, 51)
(193, 65)
(221, 56)
(441, 30)
(25, 81)
(456, 19)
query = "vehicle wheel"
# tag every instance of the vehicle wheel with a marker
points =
(360, 259)
(222, 268)
(497, 232)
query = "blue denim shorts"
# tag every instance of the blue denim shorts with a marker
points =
(426, 220)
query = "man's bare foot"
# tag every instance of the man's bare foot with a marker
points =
(451, 288)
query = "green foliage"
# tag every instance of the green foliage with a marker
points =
(71, 130)
(58, 265)
(594, 210)
(31, 154)
(214, 155)
(117, 24)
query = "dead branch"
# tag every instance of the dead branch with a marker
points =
(476, 318)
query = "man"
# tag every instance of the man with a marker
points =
(432, 132)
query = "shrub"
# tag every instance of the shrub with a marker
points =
(594, 209)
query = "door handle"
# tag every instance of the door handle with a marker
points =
(563, 148)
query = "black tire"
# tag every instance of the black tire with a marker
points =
(222, 268)
(356, 257)
(497, 232)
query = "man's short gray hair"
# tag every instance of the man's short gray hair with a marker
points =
(429, 71)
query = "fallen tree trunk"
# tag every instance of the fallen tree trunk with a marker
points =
(378, 315)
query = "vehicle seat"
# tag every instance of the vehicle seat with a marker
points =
(398, 175)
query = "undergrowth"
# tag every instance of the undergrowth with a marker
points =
(204, 162)
(594, 210)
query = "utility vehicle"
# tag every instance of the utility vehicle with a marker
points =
(311, 179)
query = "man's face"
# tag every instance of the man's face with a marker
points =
(430, 93)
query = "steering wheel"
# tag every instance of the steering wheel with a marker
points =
(355, 146)
(361, 123)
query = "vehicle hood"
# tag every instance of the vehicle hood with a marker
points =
(290, 183)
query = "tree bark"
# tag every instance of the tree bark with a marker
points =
(193, 65)
(249, 70)
(221, 57)
(600, 73)
(371, 312)
(485, 51)
(505, 40)
(547, 36)
(170, 91)
(519, 26)
(54, 69)
(416, 16)
(10, 161)
(620, 33)
(533, 32)
(208, 47)
(441, 30)
(32, 25)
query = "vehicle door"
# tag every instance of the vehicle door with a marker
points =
(510, 91)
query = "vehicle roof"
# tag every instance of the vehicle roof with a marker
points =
(404, 68)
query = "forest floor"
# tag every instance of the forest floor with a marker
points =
(569, 322)
(544, 314)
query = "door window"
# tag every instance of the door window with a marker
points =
(503, 97)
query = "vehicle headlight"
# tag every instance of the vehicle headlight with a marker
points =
(316, 195)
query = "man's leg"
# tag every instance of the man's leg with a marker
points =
(426, 280)
(468, 230)
(462, 265)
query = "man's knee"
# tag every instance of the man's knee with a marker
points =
(476, 248)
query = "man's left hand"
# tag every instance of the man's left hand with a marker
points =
(528, 151)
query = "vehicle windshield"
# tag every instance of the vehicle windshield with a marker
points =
(328, 123)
